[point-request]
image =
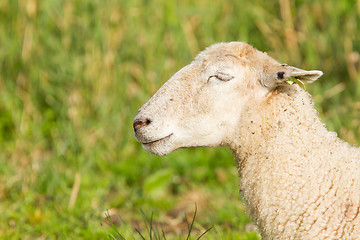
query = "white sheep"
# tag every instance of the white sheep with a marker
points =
(299, 181)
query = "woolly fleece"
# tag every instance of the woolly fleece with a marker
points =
(299, 181)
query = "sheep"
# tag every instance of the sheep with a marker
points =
(298, 180)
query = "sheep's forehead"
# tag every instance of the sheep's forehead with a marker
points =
(237, 53)
(239, 49)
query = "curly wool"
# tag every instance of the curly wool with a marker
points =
(299, 180)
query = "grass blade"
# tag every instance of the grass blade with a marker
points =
(118, 235)
(204, 233)
(138, 231)
(192, 223)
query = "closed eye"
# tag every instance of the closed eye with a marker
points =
(222, 77)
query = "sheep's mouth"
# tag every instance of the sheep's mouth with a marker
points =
(158, 140)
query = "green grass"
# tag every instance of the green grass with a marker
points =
(74, 73)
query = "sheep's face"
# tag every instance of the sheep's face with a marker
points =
(202, 103)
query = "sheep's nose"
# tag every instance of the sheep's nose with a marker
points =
(141, 123)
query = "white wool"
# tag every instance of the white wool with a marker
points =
(298, 180)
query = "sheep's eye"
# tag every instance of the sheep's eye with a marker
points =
(222, 77)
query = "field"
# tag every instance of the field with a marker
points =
(73, 74)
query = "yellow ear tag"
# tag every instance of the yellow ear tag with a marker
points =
(296, 80)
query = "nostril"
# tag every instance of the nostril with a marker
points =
(141, 123)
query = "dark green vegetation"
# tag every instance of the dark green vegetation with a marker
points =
(73, 75)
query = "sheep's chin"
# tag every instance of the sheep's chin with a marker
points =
(160, 147)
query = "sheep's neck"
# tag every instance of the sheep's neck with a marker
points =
(275, 146)
(280, 123)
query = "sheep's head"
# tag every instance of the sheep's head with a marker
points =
(202, 103)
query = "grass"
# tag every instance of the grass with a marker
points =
(154, 231)
(74, 73)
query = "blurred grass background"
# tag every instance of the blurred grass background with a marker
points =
(73, 74)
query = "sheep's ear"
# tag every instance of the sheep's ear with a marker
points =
(305, 76)
(286, 74)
